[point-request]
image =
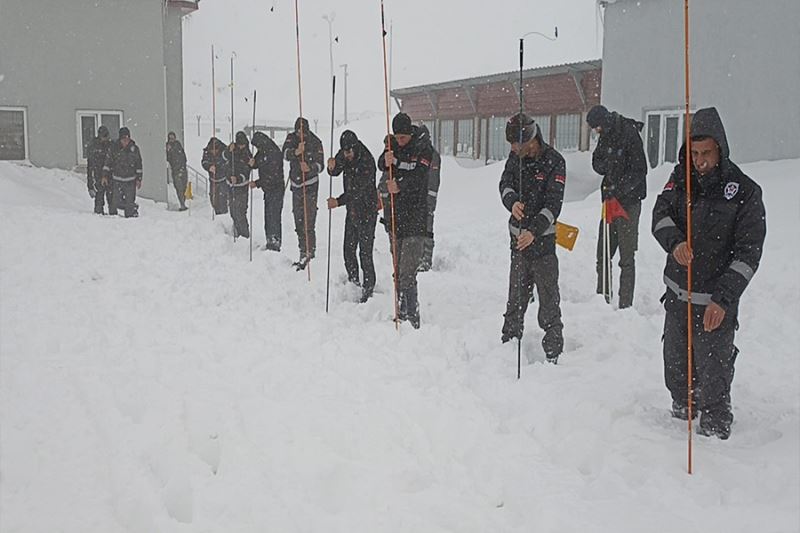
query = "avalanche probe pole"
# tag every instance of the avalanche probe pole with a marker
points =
(689, 354)
(302, 140)
(330, 195)
(252, 132)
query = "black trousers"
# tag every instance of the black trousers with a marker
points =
(622, 234)
(101, 192)
(179, 181)
(359, 238)
(273, 208)
(714, 355)
(218, 194)
(299, 210)
(124, 197)
(239, 201)
(527, 271)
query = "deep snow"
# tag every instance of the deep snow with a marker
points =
(152, 379)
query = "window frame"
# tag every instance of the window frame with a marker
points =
(98, 115)
(26, 139)
(664, 114)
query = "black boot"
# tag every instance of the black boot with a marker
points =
(412, 307)
(366, 294)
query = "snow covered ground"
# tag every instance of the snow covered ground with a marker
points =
(154, 380)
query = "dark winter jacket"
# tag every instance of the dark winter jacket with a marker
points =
(176, 156)
(214, 154)
(238, 158)
(543, 181)
(313, 156)
(433, 174)
(410, 171)
(96, 159)
(124, 164)
(269, 163)
(360, 194)
(728, 223)
(619, 158)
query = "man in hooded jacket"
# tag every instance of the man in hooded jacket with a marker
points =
(728, 231)
(241, 164)
(306, 159)
(176, 157)
(433, 193)
(123, 170)
(407, 160)
(269, 162)
(95, 160)
(215, 162)
(360, 197)
(619, 158)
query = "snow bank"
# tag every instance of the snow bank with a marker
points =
(152, 379)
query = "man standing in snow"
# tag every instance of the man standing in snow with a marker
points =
(124, 170)
(409, 158)
(269, 163)
(241, 164)
(95, 160)
(216, 164)
(176, 157)
(532, 189)
(729, 227)
(433, 193)
(360, 197)
(619, 158)
(306, 160)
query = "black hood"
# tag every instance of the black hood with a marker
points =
(210, 146)
(301, 122)
(260, 140)
(707, 123)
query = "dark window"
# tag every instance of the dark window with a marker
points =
(653, 138)
(671, 139)
(466, 138)
(12, 135)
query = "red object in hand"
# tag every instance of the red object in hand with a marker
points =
(614, 210)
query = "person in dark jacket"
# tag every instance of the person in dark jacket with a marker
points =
(123, 170)
(729, 228)
(360, 197)
(433, 193)
(215, 162)
(241, 162)
(176, 157)
(619, 157)
(306, 159)
(532, 189)
(269, 162)
(95, 160)
(408, 165)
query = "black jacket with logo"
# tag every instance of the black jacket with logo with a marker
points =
(124, 164)
(96, 159)
(728, 223)
(543, 182)
(360, 195)
(238, 158)
(314, 158)
(619, 158)
(176, 156)
(410, 171)
(214, 154)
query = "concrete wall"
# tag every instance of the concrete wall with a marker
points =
(745, 60)
(58, 57)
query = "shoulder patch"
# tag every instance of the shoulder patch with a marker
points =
(560, 178)
(731, 189)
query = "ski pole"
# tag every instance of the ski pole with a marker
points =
(252, 132)
(330, 195)
(689, 355)
(213, 135)
(233, 157)
(302, 140)
(391, 173)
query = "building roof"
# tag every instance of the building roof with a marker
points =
(186, 6)
(511, 76)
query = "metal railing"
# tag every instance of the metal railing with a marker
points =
(199, 180)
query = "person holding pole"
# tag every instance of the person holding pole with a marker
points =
(534, 201)
(619, 158)
(269, 162)
(242, 162)
(216, 164)
(360, 197)
(727, 234)
(410, 162)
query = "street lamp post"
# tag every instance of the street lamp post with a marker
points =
(344, 66)
(329, 19)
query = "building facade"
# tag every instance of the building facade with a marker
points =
(467, 117)
(745, 61)
(68, 67)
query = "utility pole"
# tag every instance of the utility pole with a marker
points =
(344, 66)
(329, 19)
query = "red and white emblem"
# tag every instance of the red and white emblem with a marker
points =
(731, 189)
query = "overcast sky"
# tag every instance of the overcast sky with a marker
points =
(433, 40)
